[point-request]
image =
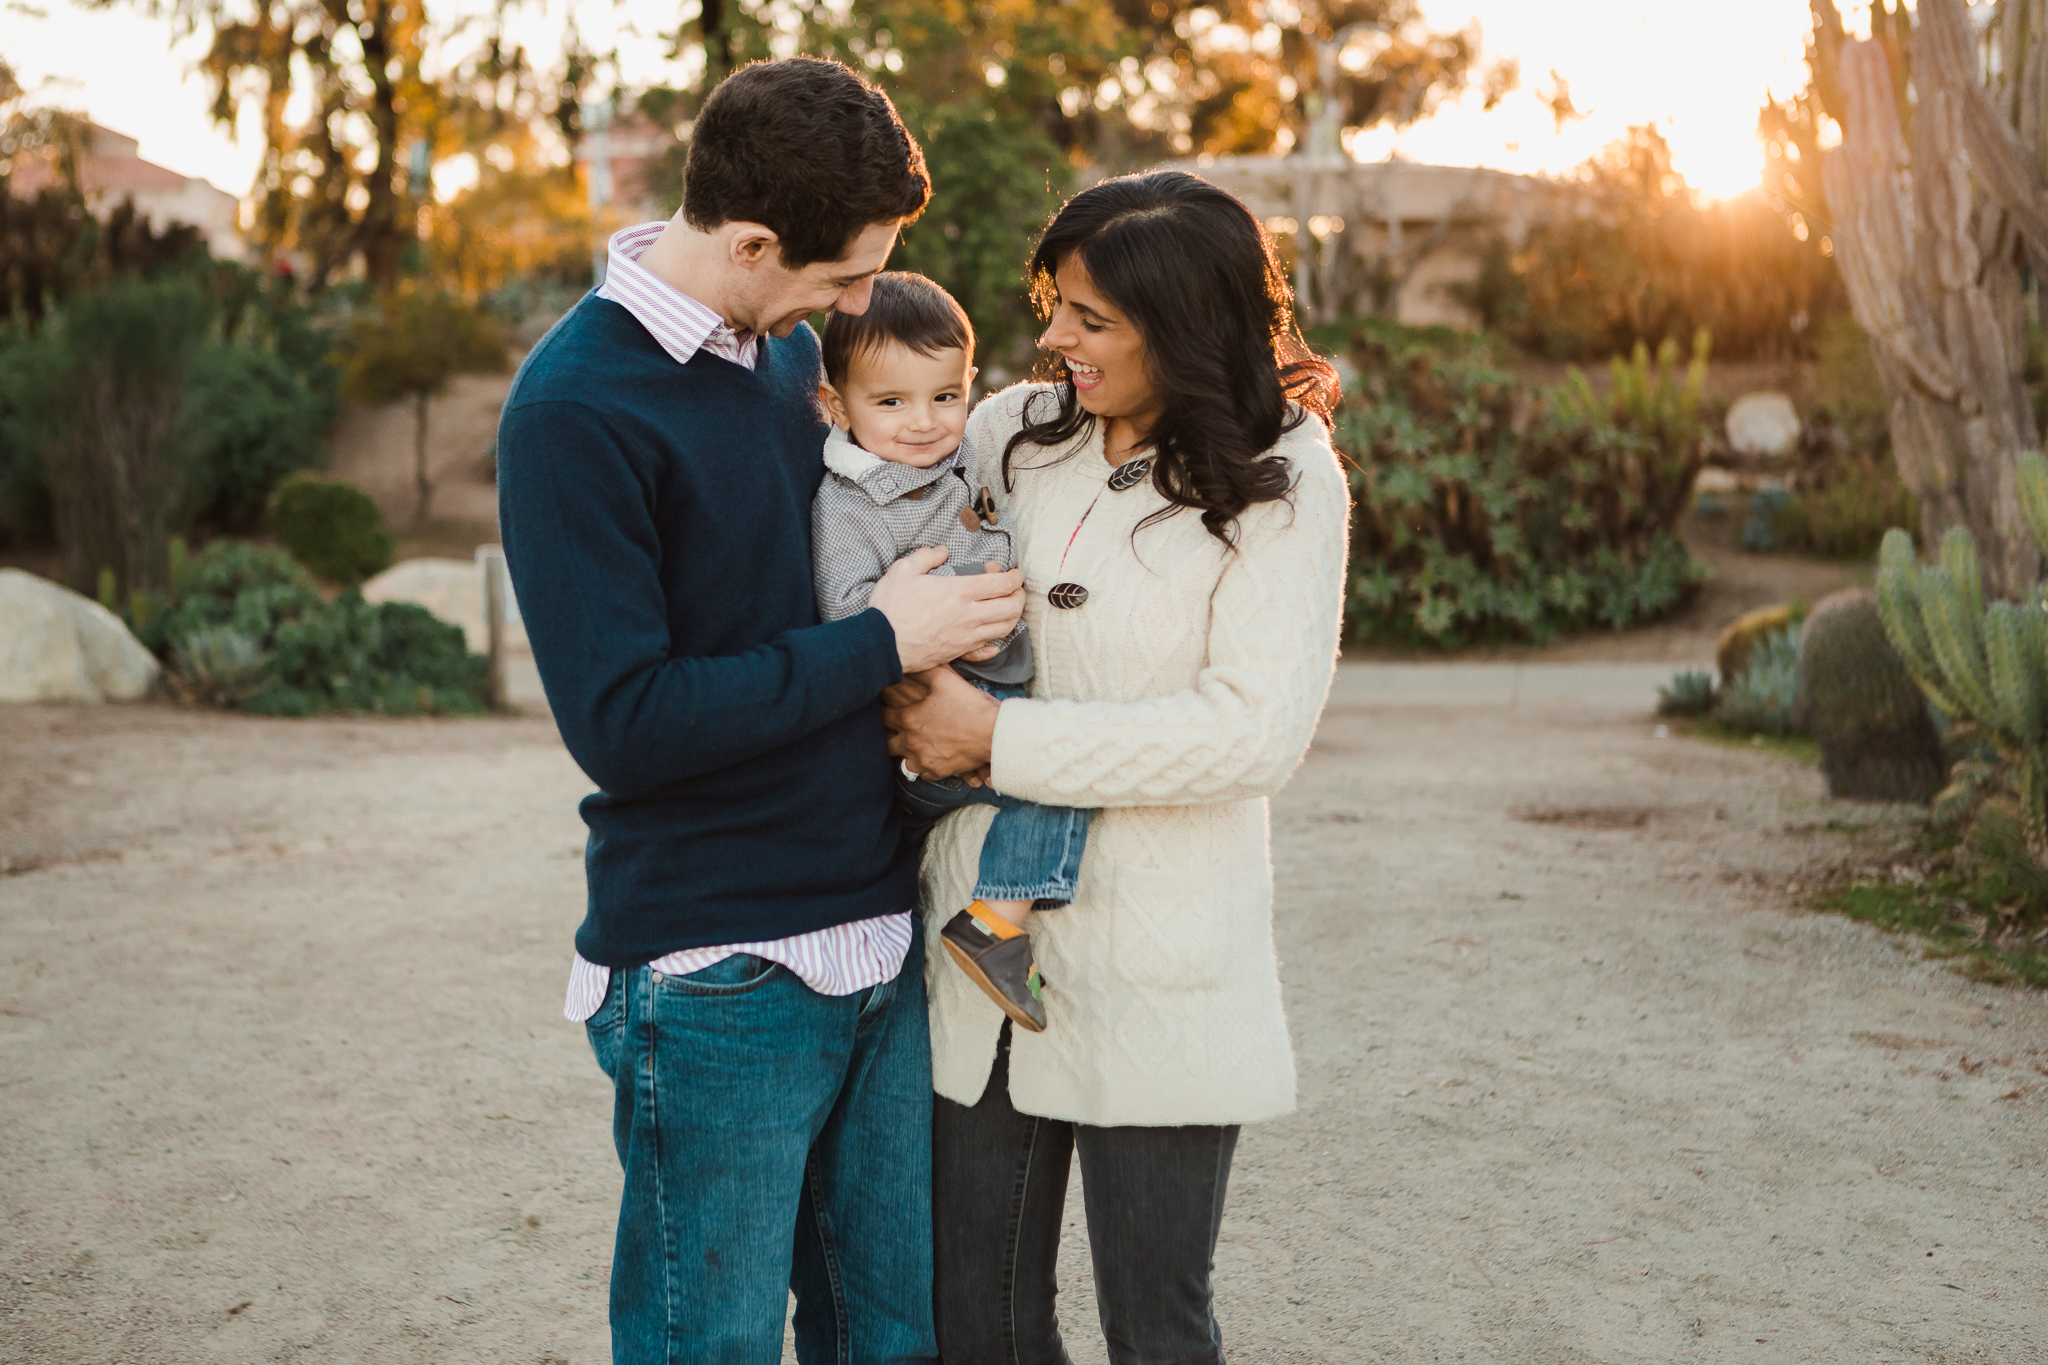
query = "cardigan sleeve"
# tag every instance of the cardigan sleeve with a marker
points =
(1243, 728)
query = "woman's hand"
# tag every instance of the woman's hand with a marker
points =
(941, 725)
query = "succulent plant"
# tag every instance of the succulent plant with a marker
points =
(1690, 693)
(1743, 634)
(1877, 740)
(1984, 664)
(1762, 697)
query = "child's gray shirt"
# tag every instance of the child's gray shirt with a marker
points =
(870, 512)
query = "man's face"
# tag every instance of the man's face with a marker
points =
(778, 298)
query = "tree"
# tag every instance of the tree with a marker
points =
(1010, 97)
(411, 348)
(387, 96)
(107, 378)
(1943, 266)
(1644, 260)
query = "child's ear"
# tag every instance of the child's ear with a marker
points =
(834, 406)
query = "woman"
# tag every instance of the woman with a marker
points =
(1181, 523)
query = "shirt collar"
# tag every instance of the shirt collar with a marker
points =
(678, 323)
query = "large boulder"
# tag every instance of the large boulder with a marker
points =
(58, 646)
(1877, 741)
(452, 589)
(1763, 423)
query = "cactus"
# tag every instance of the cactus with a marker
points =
(1929, 258)
(1984, 665)
(1877, 741)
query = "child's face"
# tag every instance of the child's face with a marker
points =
(904, 407)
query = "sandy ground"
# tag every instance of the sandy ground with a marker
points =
(283, 1077)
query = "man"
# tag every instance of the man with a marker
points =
(749, 969)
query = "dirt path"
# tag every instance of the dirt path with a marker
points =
(283, 1077)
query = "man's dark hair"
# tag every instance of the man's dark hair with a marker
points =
(904, 308)
(809, 150)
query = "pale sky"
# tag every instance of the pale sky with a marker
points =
(1699, 78)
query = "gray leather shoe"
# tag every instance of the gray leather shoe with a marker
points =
(1003, 967)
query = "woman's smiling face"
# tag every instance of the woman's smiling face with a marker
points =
(1103, 350)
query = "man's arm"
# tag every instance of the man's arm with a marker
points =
(581, 542)
(584, 555)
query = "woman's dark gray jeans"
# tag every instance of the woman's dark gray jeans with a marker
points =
(999, 1185)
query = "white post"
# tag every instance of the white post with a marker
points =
(490, 563)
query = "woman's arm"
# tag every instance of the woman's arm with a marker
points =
(1244, 726)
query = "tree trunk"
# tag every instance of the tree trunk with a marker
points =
(378, 233)
(419, 457)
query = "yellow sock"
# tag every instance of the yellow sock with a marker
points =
(991, 921)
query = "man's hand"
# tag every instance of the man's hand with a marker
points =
(941, 725)
(937, 620)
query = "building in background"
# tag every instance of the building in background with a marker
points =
(109, 170)
(1393, 238)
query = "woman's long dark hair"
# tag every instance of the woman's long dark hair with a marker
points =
(1195, 273)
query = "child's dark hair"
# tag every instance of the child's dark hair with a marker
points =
(904, 308)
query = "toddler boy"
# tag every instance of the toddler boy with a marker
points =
(896, 385)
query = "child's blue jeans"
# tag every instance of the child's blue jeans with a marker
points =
(1031, 853)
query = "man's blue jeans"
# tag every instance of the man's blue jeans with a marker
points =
(1030, 853)
(773, 1139)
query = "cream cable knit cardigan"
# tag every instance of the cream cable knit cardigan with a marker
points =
(1177, 698)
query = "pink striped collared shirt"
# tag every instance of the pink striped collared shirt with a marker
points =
(838, 960)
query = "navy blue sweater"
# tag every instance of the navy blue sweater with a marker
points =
(656, 519)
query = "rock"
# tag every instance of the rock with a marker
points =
(1763, 423)
(1731, 653)
(1877, 741)
(58, 646)
(452, 589)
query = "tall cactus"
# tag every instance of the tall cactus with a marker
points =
(1984, 665)
(1935, 238)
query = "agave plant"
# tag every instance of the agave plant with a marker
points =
(220, 665)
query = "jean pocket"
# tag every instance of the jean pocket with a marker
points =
(737, 974)
(1170, 928)
(606, 1028)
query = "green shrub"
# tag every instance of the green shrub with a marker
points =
(393, 658)
(333, 528)
(246, 391)
(1843, 508)
(1690, 693)
(258, 420)
(1485, 511)
(245, 627)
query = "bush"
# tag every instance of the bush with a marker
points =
(98, 397)
(1844, 507)
(1486, 511)
(256, 421)
(333, 528)
(238, 382)
(245, 627)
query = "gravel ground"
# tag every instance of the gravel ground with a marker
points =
(283, 1075)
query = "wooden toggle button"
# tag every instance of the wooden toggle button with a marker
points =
(1066, 596)
(1129, 475)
